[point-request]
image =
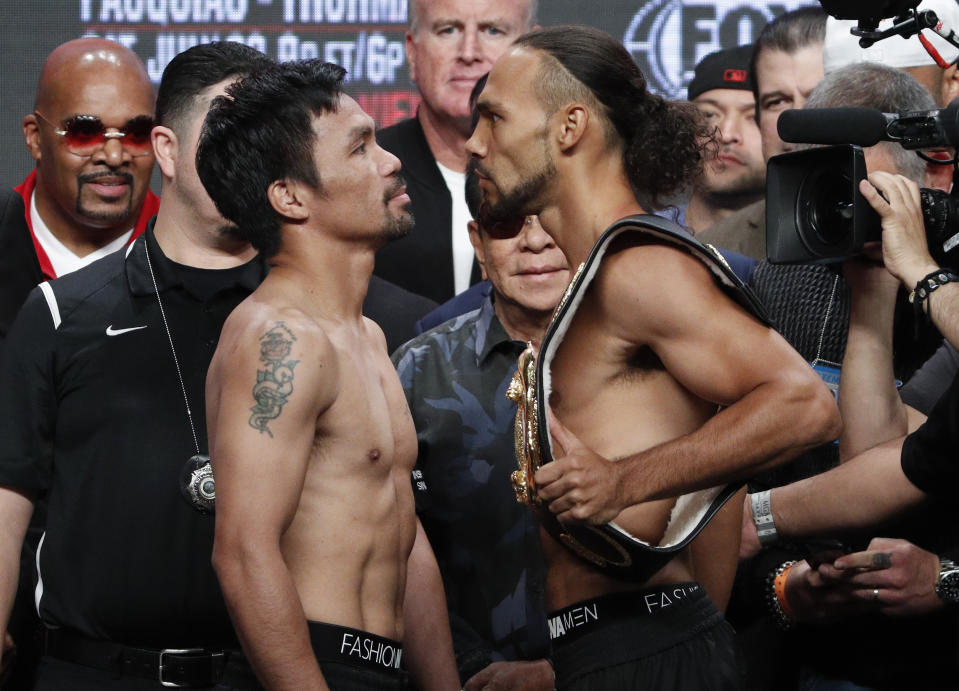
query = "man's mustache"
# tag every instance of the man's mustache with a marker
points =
(93, 177)
(474, 166)
(394, 189)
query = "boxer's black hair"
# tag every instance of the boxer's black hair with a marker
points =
(663, 142)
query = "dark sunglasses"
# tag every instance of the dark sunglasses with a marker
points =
(84, 134)
(507, 229)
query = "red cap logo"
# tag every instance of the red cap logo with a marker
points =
(731, 75)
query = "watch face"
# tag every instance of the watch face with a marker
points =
(948, 586)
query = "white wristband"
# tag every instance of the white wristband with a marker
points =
(763, 518)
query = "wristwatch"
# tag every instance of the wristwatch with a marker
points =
(947, 584)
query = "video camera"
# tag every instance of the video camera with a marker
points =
(815, 213)
(814, 210)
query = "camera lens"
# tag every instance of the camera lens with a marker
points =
(828, 212)
(814, 211)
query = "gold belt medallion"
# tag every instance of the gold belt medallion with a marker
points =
(522, 391)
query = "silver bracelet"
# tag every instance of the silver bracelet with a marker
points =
(763, 518)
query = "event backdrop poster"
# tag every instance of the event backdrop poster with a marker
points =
(665, 37)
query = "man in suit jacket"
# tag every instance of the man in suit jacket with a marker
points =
(450, 45)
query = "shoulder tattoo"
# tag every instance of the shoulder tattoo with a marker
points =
(274, 383)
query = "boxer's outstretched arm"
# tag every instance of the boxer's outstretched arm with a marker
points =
(866, 490)
(260, 465)
(773, 403)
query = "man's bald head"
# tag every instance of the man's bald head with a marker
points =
(89, 59)
(95, 195)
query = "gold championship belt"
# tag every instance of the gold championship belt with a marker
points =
(609, 547)
(588, 542)
(522, 390)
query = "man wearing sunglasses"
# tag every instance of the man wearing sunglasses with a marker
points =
(89, 134)
(103, 375)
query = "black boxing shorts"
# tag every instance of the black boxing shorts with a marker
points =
(670, 637)
(350, 659)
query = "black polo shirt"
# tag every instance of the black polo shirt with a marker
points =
(92, 416)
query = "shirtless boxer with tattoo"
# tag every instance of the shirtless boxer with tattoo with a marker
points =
(662, 383)
(311, 439)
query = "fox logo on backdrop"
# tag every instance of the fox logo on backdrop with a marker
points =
(668, 37)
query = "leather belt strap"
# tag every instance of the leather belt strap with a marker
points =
(174, 667)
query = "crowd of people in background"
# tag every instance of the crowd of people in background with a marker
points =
(262, 430)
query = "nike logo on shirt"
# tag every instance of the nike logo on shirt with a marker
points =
(116, 332)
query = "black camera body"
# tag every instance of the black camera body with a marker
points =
(814, 210)
(815, 213)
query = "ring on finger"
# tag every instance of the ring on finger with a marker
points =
(875, 594)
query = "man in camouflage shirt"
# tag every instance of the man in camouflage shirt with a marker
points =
(455, 378)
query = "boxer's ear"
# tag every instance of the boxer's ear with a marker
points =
(165, 150)
(286, 198)
(572, 124)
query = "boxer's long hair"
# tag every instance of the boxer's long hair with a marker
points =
(664, 143)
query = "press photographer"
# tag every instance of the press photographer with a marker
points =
(814, 211)
(914, 476)
(841, 318)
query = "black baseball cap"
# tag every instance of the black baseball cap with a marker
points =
(724, 69)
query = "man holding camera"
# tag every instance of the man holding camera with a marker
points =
(923, 389)
(849, 318)
(896, 475)
(917, 584)
(809, 301)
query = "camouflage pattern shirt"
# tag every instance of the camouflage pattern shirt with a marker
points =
(455, 378)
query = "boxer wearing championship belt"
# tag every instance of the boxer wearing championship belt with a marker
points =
(655, 382)
(611, 548)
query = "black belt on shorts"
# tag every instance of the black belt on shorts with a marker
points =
(356, 648)
(174, 667)
(571, 622)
